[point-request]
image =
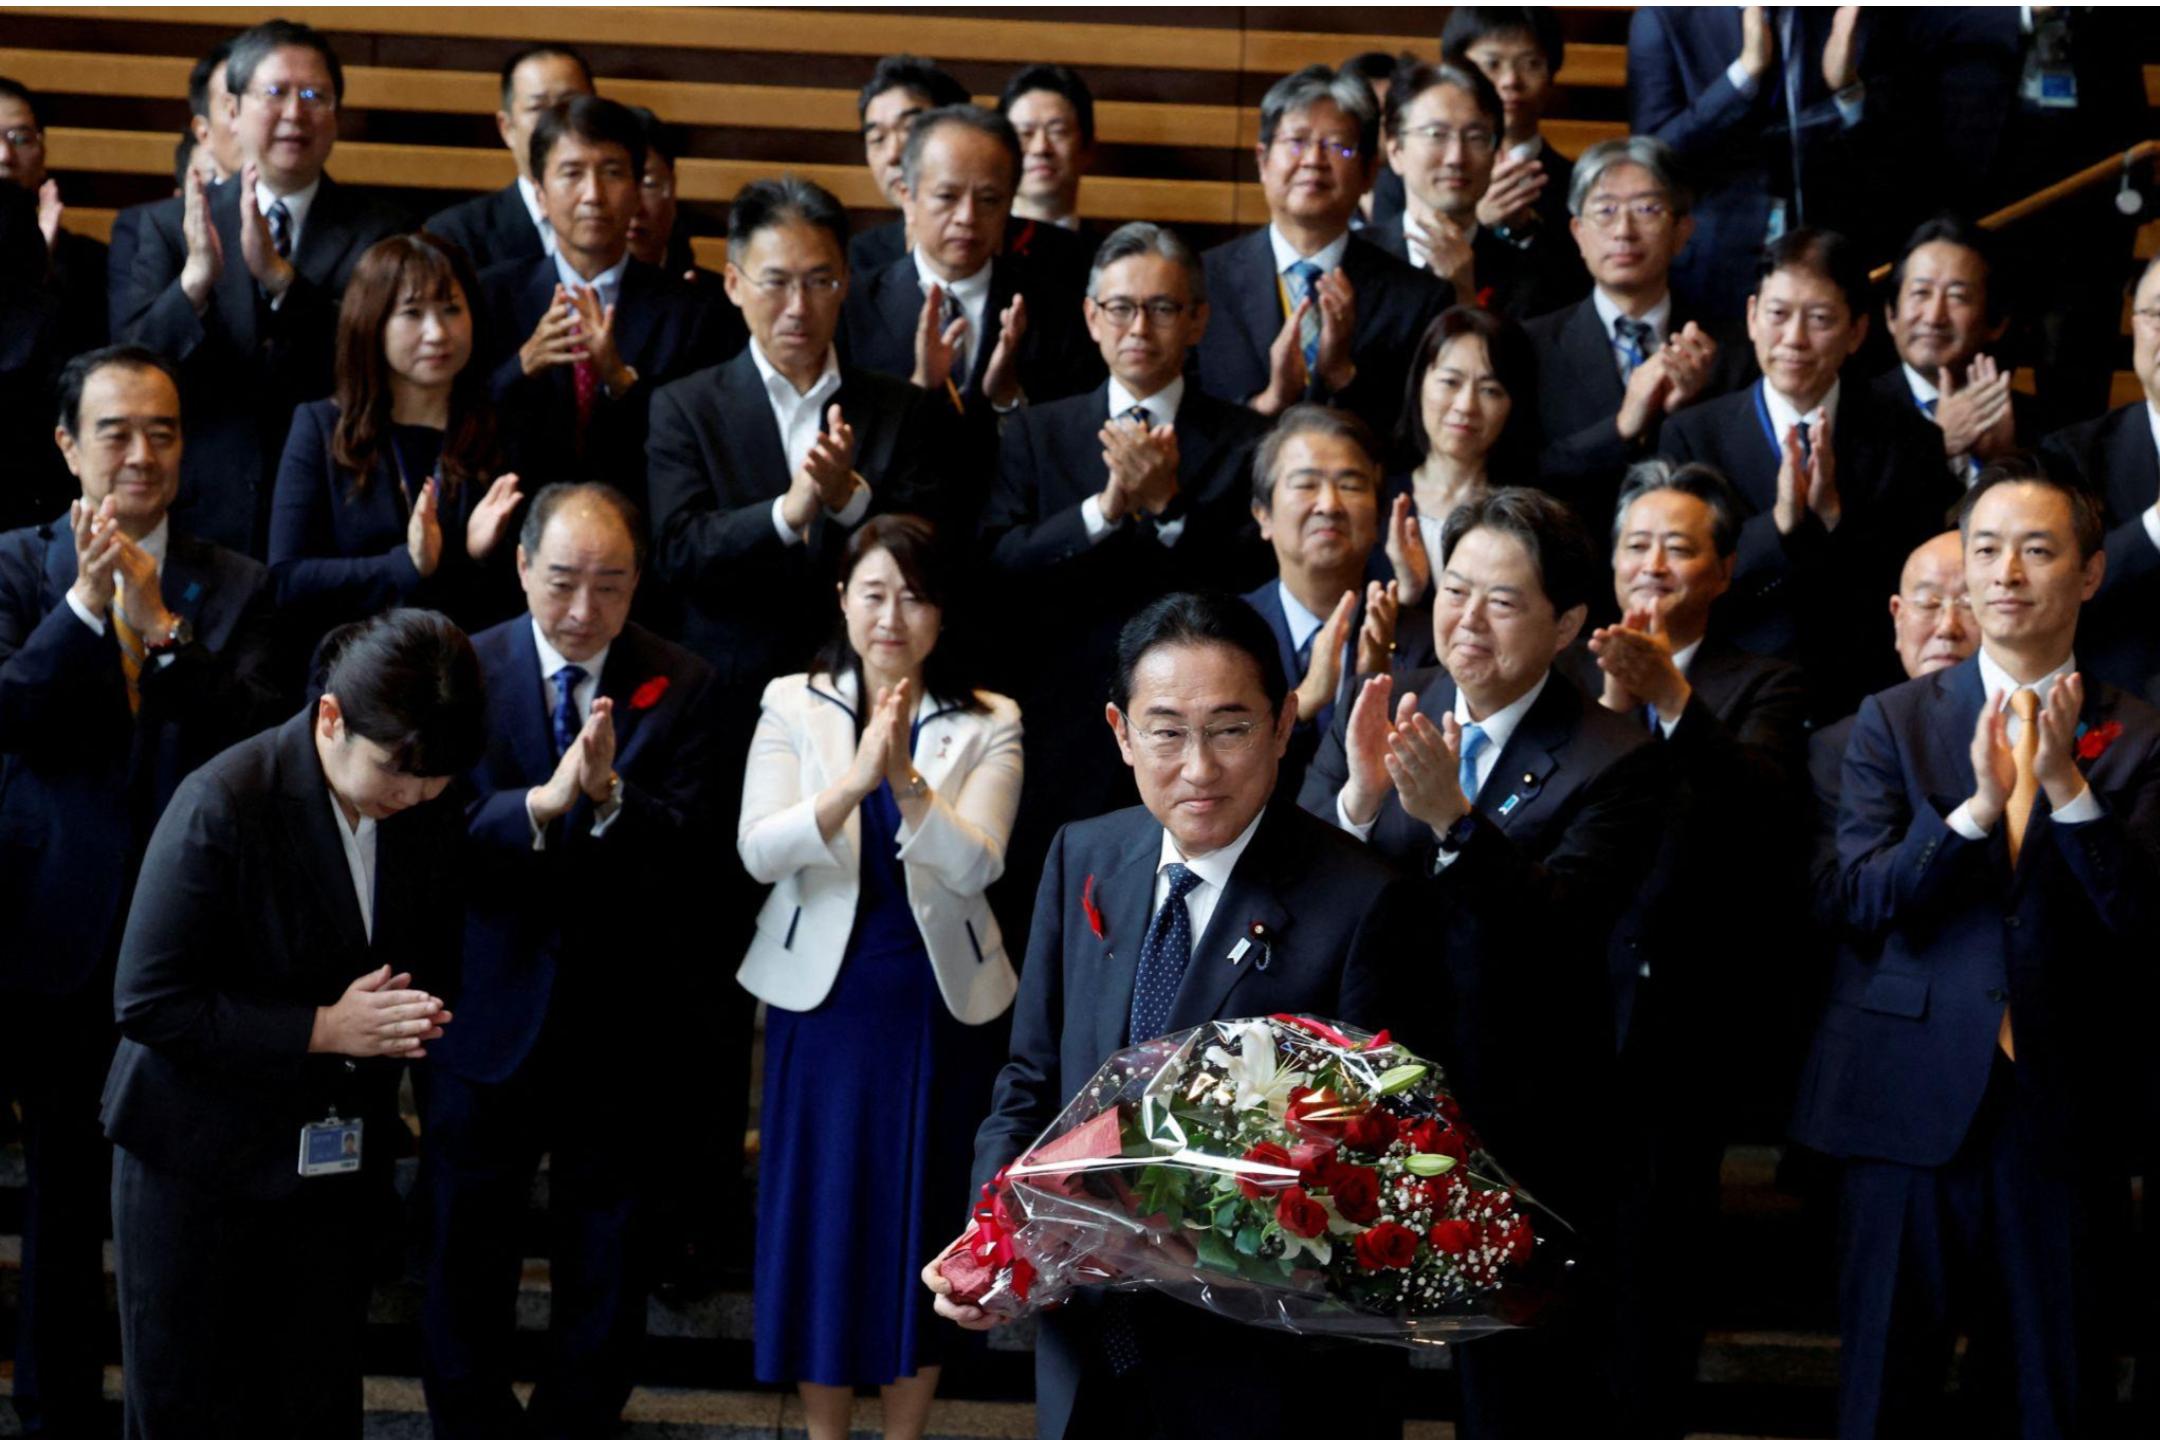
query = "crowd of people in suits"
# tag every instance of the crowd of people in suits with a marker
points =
(506, 655)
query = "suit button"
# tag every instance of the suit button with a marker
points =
(1998, 996)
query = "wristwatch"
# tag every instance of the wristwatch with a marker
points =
(180, 636)
(1458, 834)
(916, 786)
(607, 809)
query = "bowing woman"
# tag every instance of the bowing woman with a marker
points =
(880, 792)
(387, 493)
(298, 905)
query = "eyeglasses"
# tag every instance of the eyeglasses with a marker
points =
(1298, 146)
(309, 97)
(1476, 141)
(1120, 311)
(1605, 214)
(24, 139)
(1172, 742)
(1057, 132)
(813, 287)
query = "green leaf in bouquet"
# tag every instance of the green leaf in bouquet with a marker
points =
(1212, 1251)
(1428, 1165)
(1226, 1215)
(1248, 1240)
(1401, 1078)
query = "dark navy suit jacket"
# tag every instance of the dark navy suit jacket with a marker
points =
(535, 942)
(82, 782)
(1337, 913)
(490, 228)
(1514, 281)
(2112, 457)
(1946, 933)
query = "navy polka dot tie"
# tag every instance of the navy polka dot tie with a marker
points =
(1163, 957)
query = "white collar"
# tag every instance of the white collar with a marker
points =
(1784, 414)
(296, 204)
(1924, 390)
(1500, 725)
(155, 543)
(1685, 656)
(1161, 407)
(1327, 257)
(608, 282)
(1658, 317)
(846, 687)
(530, 194)
(972, 291)
(1302, 622)
(551, 659)
(783, 390)
(1994, 679)
(1214, 867)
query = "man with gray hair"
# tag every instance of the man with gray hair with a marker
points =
(1612, 366)
(1306, 311)
(1107, 501)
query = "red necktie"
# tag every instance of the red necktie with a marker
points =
(586, 378)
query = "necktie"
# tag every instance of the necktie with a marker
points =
(1326, 715)
(963, 356)
(281, 229)
(2017, 814)
(1631, 338)
(1927, 407)
(1800, 428)
(1304, 277)
(585, 379)
(1473, 740)
(1138, 415)
(131, 655)
(1164, 954)
(567, 724)
(1657, 726)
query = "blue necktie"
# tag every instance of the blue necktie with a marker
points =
(1326, 715)
(1473, 740)
(280, 229)
(1632, 339)
(1164, 954)
(567, 724)
(1304, 280)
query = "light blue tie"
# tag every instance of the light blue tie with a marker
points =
(1304, 280)
(1473, 740)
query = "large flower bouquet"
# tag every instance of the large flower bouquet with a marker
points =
(1282, 1172)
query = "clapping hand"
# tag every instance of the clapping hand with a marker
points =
(205, 247)
(1424, 762)
(49, 210)
(1324, 670)
(1447, 253)
(97, 553)
(1365, 747)
(423, 531)
(1806, 483)
(490, 519)
(1517, 181)
(1637, 658)
(258, 250)
(2055, 758)
(874, 749)
(1994, 766)
(1976, 418)
(1338, 329)
(378, 1015)
(1689, 358)
(1001, 378)
(1406, 552)
(1841, 55)
(1286, 364)
(586, 768)
(937, 344)
(595, 329)
(1142, 462)
(556, 340)
(1376, 637)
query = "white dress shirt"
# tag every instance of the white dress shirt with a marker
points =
(551, 660)
(359, 843)
(1658, 317)
(1499, 727)
(973, 293)
(1996, 680)
(799, 415)
(530, 194)
(1327, 257)
(607, 284)
(1162, 408)
(1213, 869)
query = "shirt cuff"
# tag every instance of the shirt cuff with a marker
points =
(1170, 530)
(858, 505)
(789, 535)
(97, 625)
(1098, 524)
(1961, 820)
(1736, 75)
(2080, 811)
(1342, 819)
(539, 832)
(1444, 857)
(2152, 528)
(604, 818)
(1851, 103)
(1670, 723)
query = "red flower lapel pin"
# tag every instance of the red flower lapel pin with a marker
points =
(648, 694)
(2093, 743)
(1089, 909)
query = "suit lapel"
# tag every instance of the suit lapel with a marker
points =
(898, 303)
(629, 666)
(1124, 897)
(747, 413)
(238, 295)
(186, 579)
(312, 820)
(638, 316)
(2133, 477)
(1255, 298)
(1512, 794)
(1590, 356)
(323, 237)
(531, 728)
(1250, 900)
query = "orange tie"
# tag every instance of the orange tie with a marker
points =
(2017, 815)
(131, 657)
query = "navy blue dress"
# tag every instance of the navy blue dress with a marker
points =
(870, 1107)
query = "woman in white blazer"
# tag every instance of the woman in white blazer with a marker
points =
(880, 791)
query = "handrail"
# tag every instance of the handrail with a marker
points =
(2097, 173)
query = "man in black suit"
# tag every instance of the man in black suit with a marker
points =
(78, 262)
(1944, 306)
(585, 335)
(1304, 309)
(1837, 485)
(1443, 126)
(983, 331)
(1533, 814)
(129, 653)
(1733, 729)
(1612, 367)
(901, 89)
(242, 287)
(1202, 713)
(2117, 457)
(209, 144)
(598, 778)
(512, 223)
(1972, 1065)
(1053, 112)
(1520, 49)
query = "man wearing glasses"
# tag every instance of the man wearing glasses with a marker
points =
(244, 293)
(2117, 457)
(1307, 310)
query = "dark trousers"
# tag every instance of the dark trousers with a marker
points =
(1997, 1239)
(54, 1052)
(480, 1147)
(241, 1318)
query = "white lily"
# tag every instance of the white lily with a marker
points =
(1252, 1069)
(1317, 1247)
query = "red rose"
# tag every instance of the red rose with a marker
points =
(648, 694)
(1514, 1239)
(1300, 1214)
(1452, 1237)
(1387, 1246)
(1372, 1131)
(2094, 743)
(1356, 1191)
(1259, 1187)
(1316, 1114)
(1312, 1160)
